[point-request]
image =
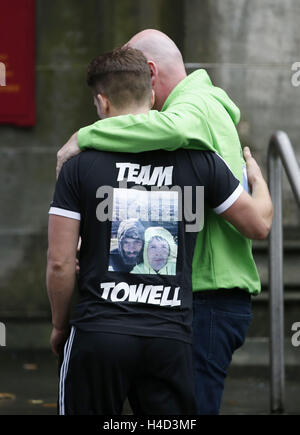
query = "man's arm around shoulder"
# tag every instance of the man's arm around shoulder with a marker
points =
(183, 126)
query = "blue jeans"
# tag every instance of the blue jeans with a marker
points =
(221, 319)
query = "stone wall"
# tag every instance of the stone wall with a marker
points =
(248, 47)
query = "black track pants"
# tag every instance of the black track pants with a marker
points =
(100, 370)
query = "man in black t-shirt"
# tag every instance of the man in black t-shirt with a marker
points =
(131, 332)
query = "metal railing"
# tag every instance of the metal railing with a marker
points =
(280, 154)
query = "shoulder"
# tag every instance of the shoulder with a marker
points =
(85, 160)
(209, 158)
(89, 155)
(202, 156)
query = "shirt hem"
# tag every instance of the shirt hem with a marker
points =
(91, 327)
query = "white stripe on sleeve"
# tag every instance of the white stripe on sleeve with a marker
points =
(65, 213)
(229, 201)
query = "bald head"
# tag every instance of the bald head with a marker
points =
(165, 61)
(157, 46)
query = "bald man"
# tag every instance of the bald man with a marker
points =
(194, 115)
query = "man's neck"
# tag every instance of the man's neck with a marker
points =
(134, 110)
(167, 88)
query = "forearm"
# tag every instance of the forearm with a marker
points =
(148, 132)
(60, 288)
(262, 199)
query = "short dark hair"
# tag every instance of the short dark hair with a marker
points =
(122, 75)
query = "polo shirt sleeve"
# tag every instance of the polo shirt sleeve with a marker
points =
(221, 187)
(66, 199)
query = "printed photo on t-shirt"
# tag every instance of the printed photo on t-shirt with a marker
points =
(144, 234)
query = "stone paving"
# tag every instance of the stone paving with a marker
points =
(28, 386)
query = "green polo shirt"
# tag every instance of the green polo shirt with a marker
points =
(196, 115)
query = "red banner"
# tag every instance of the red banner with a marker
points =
(17, 32)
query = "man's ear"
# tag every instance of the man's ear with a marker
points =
(104, 105)
(153, 71)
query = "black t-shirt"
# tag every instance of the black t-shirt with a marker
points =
(138, 238)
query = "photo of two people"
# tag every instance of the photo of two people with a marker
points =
(142, 243)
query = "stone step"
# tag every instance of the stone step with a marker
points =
(291, 262)
(260, 308)
(253, 358)
(34, 333)
(291, 278)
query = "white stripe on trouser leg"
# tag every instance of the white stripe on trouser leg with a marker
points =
(64, 370)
